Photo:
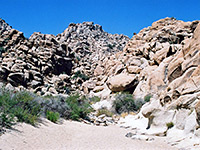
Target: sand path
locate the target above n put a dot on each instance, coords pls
(74, 136)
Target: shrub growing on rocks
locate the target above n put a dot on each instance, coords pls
(147, 98)
(94, 99)
(169, 125)
(105, 112)
(2, 50)
(124, 102)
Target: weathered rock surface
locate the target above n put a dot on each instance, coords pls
(122, 82)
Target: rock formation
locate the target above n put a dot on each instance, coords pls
(48, 64)
(163, 60)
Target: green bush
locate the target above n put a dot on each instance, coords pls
(139, 102)
(80, 75)
(147, 98)
(52, 116)
(55, 104)
(79, 106)
(124, 102)
(26, 107)
(19, 105)
(94, 99)
(104, 111)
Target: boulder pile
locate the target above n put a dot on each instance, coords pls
(48, 64)
(162, 60)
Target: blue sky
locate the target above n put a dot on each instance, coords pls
(116, 16)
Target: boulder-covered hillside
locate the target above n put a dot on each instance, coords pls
(163, 61)
(48, 64)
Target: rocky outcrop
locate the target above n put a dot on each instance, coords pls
(164, 61)
(48, 64)
(89, 44)
(33, 63)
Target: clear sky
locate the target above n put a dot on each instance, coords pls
(116, 16)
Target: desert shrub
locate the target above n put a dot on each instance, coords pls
(104, 111)
(6, 120)
(78, 58)
(139, 103)
(94, 99)
(79, 106)
(80, 75)
(19, 105)
(124, 102)
(55, 104)
(169, 125)
(147, 98)
(52, 116)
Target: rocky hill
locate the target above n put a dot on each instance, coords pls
(162, 60)
(48, 64)
(149, 62)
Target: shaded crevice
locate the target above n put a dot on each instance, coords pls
(176, 73)
(175, 95)
(170, 52)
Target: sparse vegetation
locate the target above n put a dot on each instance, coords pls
(79, 106)
(17, 106)
(19, 58)
(78, 58)
(124, 102)
(2, 50)
(139, 102)
(170, 125)
(104, 111)
(94, 99)
(80, 75)
(147, 98)
(52, 116)
(173, 18)
(26, 107)
(111, 46)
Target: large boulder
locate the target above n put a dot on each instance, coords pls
(122, 82)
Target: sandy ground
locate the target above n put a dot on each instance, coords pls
(74, 136)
